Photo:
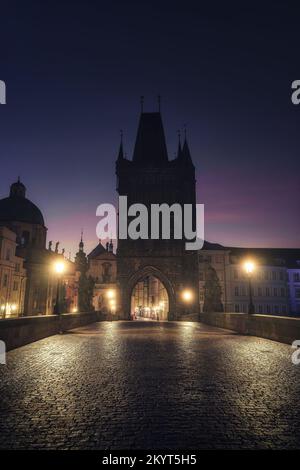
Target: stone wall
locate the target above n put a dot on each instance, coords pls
(282, 329)
(16, 332)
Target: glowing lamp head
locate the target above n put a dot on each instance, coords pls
(59, 267)
(187, 295)
(110, 294)
(13, 307)
(249, 267)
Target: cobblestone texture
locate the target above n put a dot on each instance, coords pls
(150, 385)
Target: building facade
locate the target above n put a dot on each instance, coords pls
(274, 286)
(12, 276)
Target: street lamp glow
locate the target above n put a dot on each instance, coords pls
(59, 267)
(110, 294)
(187, 295)
(249, 267)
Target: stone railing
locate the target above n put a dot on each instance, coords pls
(16, 332)
(283, 329)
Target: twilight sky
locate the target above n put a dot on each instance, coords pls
(75, 70)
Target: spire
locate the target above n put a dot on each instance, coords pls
(179, 151)
(121, 152)
(81, 244)
(186, 155)
(150, 145)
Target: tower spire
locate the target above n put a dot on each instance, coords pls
(81, 244)
(179, 151)
(142, 104)
(121, 152)
(186, 155)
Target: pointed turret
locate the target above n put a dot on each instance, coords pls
(179, 150)
(186, 155)
(121, 151)
(81, 262)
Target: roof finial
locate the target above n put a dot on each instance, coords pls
(121, 135)
(159, 102)
(81, 235)
(18, 179)
(142, 104)
(184, 127)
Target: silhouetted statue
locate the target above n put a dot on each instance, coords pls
(50, 246)
(56, 247)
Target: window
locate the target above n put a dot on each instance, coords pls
(259, 291)
(5, 280)
(201, 276)
(7, 256)
(219, 258)
(275, 292)
(276, 309)
(236, 308)
(16, 285)
(268, 308)
(281, 275)
(235, 274)
(268, 291)
(266, 276)
(282, 292)
(274, 275)
(283, 309)
(297, 293)
(236, 291)
(17, 267)
(296, 277)
(260, 309)
(243, 290)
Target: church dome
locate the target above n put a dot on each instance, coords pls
(17, 208)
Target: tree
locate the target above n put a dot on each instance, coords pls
(212, 291)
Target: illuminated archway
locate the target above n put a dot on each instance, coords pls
(164, 286)
(149, 299)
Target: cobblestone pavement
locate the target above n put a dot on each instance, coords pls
(150, 385)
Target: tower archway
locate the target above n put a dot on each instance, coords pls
(150, 295)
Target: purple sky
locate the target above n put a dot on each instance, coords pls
(74, 73)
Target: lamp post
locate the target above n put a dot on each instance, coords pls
(59, 268)
(249, 268)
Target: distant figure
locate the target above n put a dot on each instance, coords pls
(56, 247)
(50, 246)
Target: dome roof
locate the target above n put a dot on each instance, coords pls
(17, 208)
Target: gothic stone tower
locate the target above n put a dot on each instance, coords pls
(151, 178)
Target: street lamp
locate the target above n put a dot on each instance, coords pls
(187, 295)
(59, 267)
(249, 267)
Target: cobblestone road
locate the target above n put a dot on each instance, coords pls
(150, 385)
